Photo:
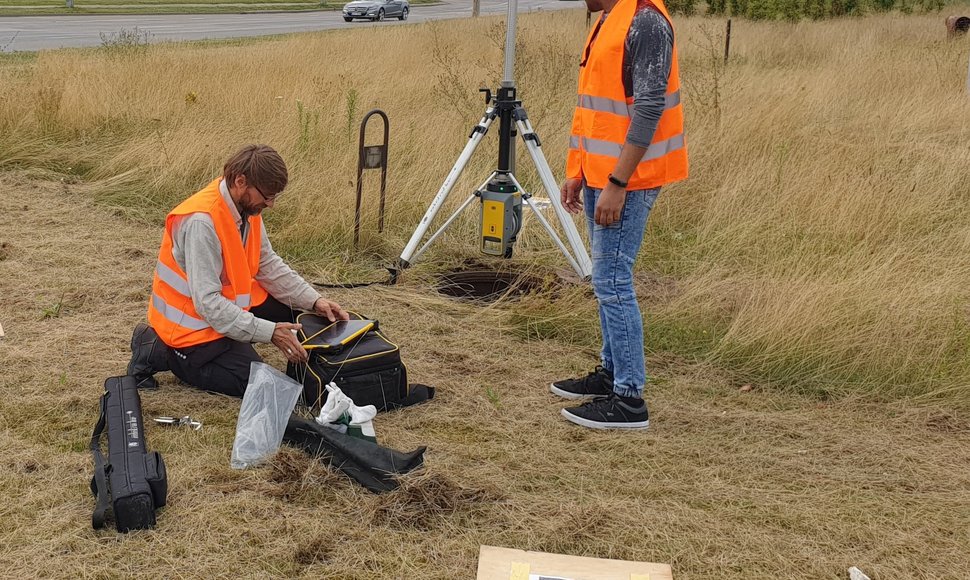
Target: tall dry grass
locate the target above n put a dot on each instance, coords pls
(819, 243)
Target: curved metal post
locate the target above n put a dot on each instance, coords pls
(371, 157)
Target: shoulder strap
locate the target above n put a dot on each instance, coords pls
(99, 483)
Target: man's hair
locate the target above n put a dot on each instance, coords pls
(262, 166)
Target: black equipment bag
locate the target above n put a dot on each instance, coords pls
(133, 481)
(372, 466)
(368, 370)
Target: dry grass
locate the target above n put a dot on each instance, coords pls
(727, 484)
(819, 244)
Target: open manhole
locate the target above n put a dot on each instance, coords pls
(487, 285)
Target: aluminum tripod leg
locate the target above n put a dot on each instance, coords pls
(583, 266)
(447, 223)
(552, 233)
(476, 137)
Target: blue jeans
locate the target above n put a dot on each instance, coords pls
(615, 249)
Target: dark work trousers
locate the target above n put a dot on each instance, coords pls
(222, 366)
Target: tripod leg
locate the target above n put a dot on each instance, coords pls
(422, 228)
(552, 233)
(583, 265)
(447, 223)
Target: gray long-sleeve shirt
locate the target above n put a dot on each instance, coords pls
(647, 56)
(197, 250)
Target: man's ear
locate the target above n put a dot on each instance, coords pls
(240, 182)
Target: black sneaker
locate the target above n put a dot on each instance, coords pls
(609, 413)
(598, 383)
(149, 355)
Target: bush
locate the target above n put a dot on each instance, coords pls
(815, 9)
(685, 7)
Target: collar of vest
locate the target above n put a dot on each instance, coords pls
(227, 197)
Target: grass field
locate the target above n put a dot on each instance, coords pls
(816, 253)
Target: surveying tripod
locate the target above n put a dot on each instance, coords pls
(501, 193)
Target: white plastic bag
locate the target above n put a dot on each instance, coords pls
(266, 407)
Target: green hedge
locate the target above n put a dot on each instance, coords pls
(814, 9)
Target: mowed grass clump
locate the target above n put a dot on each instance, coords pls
(820, 242)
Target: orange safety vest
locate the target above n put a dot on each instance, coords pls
(603, 111)
(170, 310)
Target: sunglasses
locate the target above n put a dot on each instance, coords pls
(264, 196)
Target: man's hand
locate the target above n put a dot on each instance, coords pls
(609, 207)
(569, 194)
(331, 310)
(285, 339)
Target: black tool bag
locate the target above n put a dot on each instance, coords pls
(372, 466)
(368, 370)
(133, 481)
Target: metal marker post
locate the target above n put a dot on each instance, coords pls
(371, 157)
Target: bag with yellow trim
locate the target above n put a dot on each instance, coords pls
(368, 369)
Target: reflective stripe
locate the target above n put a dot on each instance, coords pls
(661, 148)
(654, 151)
(605, 105)
(173, 279)
(621, 108)
(573, 142)
(671, 100)
(177, 316)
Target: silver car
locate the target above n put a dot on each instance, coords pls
(376, 9)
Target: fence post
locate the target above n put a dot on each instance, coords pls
(727, 42)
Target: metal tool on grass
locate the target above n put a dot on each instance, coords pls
(180, 421)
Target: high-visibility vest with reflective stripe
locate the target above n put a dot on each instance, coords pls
(603, 111)
(170, 310)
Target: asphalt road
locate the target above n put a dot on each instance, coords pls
(30, 33)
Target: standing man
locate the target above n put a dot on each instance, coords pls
(627, 141)
(219, 286)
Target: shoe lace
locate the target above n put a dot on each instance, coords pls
(601, 403)
(593, 375)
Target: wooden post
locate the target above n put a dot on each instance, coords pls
(476, 8)
(727, 42)
(589, 17)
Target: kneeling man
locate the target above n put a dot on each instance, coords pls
(219, 286)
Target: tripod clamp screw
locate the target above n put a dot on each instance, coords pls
(488, 94)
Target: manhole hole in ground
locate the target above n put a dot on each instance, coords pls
(487, 285)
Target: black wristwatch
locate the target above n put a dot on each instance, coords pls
(617, 182)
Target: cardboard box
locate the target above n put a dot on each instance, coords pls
(507, 564)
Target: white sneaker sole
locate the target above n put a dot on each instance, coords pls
(567, 395)
(637, 426)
